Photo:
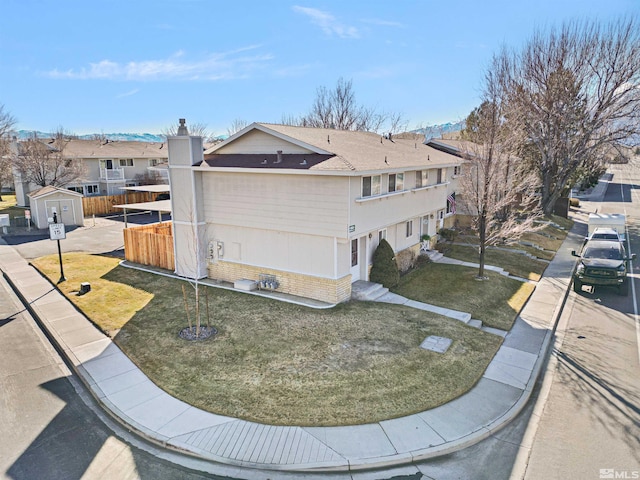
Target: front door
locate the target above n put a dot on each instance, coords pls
(355, 260)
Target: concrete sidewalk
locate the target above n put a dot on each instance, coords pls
(124, 391)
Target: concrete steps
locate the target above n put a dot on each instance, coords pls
(367, 291)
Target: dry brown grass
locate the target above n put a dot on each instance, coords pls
(284, 364)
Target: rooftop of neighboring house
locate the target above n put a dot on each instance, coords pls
(332, 150)
(76, 148)
(48, 190)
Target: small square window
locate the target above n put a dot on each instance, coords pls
(126, 162)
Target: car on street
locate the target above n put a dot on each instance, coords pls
(603, 263)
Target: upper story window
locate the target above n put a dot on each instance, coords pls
(396, 182)
(422, 176)
(106, 163)
(441, 175)
(153, 162)
(371, 186)
(126, 162)
(456, 170)
(409, 227)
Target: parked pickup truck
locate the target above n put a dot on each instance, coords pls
(603, 263)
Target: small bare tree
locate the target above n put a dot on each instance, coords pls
(43, 162)
(237, 125)
(497, 189)
(7, 122)
(337, 108)
(198, 129)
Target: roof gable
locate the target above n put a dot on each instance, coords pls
(50, 190)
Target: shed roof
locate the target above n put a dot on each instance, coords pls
(49, 190)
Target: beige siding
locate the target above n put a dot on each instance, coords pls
(306, 204)
(280, 250)
(259, 142)
(389, 210)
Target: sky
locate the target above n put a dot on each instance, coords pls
(136, 66)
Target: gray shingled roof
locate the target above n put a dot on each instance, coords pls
(351, 150)
(114, 149)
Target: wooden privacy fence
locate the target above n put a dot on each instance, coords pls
(150, 245)
(103, 204)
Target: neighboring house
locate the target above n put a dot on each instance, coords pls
(305, 205)
(109, 165)
(65, 204)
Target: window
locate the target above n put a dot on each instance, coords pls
(354, 252)
(382, 235)
(409, 228)
(108, 164)
(126, 162)
(76, 189)
(153, 162)
(396, 182)
(371, 186)
(441, 176)
(421, 178)
(92, 189)
(456, 170)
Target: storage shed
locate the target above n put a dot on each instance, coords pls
(46, 201)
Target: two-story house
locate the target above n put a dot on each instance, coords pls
(307, 206)
(109, 165)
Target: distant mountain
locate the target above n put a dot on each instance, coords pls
(431, 131)
(122, 137)
(436, 131)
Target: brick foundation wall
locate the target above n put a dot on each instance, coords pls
(323, 289)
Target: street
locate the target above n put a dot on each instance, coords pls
(590, 424)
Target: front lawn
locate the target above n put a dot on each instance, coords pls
(496, 301)
(515, 263)
(279, 363)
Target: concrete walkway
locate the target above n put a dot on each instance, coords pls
(124, 391)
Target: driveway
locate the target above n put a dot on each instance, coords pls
(99, 235)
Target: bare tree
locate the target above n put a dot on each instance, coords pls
(7, 122)
(237, 125)
(337, 108)
(198, 129)
(572, 94)
(497, 189)
(44, 163)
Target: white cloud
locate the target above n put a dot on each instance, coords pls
(383, 23)
(129, 93)
(225, 65)
(328, 22)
